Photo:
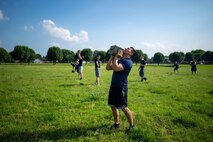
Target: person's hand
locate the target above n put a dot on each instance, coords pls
(119, 54)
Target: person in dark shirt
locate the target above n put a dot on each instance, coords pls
(118, 91)
(141, 68)
(193, 66)
(97, 69)
(176, 67)
(80, 66)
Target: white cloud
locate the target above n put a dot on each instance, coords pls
(156, 45)
(29, 28)
(64, 34)
(152, 47)
(2, 16)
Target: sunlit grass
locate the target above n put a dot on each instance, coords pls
(48, 102)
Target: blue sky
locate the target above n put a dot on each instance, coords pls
(150, 25)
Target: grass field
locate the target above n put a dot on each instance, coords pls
(46, 102)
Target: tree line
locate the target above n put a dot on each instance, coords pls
(25, 54)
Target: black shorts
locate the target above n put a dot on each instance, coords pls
(118, 97)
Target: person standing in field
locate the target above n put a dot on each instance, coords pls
(141, 68)
(176, 67)
(97, 69)
(80, 66)
(193, 66)
(118, 91)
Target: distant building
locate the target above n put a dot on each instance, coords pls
(37, 61)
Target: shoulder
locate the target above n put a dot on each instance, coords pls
(127, 63)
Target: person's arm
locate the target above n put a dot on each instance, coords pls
(79, 56)
(115, 66)
(109, 63)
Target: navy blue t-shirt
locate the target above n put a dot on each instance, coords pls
(119, 79)
(80, 62)
(142, 62)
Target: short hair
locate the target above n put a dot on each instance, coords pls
(133, 50)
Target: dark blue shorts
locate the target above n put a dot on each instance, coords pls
(141, 72)
(118, 97)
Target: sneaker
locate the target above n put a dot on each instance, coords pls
(130, 129)
(115, 126)
(141, 79)
(145, 78)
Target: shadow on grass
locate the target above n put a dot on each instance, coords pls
(73, 133)
(53, 135)
(71, 85)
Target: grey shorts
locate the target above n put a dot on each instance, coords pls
(97, 72)
(80, 69)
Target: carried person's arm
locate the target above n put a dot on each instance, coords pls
(109, 63)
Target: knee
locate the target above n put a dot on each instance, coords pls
(125, 110)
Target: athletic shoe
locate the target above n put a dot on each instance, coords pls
(115, 126)
(130, 129)
(145, 78)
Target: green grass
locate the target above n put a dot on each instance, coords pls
(46, 102)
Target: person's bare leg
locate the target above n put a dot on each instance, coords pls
(97, 80)
(115, 113)
(129, 115)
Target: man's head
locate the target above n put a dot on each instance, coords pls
(129, 51)
(98, 57)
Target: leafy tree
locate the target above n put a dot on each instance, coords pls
(136, 57)
(11, 57)
(54, 54)
(211, 56)
(68, 55)
(198, 51)
(23, 53)
(102, 55)
(95, 53)
(198, 57)
(27, 53)
(31, 56)
(19, 53)
(176, 56)
(87, 53)
(158, 57)
(198, 54)
(145, 56)
(189, 57)
(107, 55)
(208, 56)
(4, 55)
(38, 56)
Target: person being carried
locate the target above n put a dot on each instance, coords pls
(118, 91)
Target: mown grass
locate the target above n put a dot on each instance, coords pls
(46, 102)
